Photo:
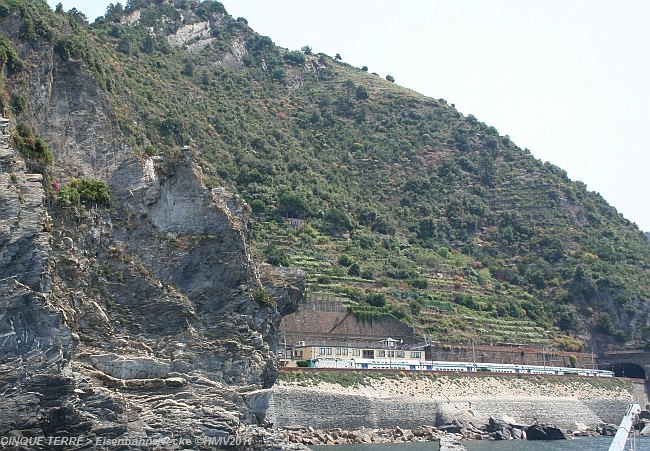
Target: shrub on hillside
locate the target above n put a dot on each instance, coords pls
(31, 146)
(84, 192)
(295, 58)
(376, 299)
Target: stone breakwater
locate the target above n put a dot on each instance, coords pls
(410, 401)
(310, 436)
(448, 436)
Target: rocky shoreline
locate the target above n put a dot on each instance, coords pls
(451, 434)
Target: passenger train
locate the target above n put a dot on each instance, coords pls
(391, 358)
(458, 367)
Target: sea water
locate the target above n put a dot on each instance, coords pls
(577, 444)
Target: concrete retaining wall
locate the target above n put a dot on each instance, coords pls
(306, 407)
(408, 404)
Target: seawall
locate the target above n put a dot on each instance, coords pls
(371, 400)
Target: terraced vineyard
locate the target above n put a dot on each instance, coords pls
(442, 296)
(487, 330)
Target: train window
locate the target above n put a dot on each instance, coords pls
(356, 352)
(339, 351)
(399, 353)
(345, 351)
(416, 354)
(368, 353)
(382, 353)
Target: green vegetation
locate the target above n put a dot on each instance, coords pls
(88, 192)
(32, 147)
(9, 58)
(358, 378)
(262, 297)
(573, 361)
(347, 378)
(394, 204)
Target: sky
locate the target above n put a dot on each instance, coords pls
(569, 80)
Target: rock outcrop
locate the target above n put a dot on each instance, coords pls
(544, 432)
(140, 321)
(149, 319)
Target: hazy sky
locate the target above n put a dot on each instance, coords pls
(569, 80)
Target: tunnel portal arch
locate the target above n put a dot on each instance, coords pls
(629, 369)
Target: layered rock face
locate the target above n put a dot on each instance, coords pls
(151, 318)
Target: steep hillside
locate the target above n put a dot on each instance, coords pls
(131, 305)
(399, 204)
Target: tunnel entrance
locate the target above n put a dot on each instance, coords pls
(628, 370)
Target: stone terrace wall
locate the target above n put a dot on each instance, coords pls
(310, 323)
(504, 354)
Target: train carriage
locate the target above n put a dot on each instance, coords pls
(412, 360)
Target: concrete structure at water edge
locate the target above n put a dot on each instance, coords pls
(571, 403)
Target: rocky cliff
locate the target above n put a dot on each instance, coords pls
(150, 317)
